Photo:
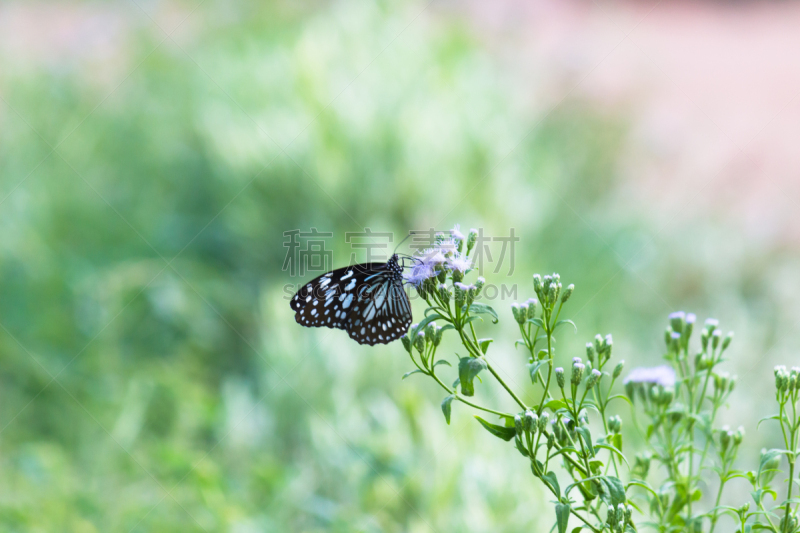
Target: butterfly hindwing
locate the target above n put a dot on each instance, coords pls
(382, 316)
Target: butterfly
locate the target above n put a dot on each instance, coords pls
(366, 300)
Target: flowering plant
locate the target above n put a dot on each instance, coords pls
(572, 436)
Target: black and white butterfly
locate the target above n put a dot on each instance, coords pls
(367, 300)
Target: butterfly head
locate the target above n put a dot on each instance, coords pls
(394, 265)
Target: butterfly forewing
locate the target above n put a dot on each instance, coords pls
(367, 300)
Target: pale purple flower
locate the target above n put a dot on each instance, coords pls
(659, 375)
(447, 247)
(419, 273)
(433, 256)
(463, 286)
(459, 262)
(456, 233)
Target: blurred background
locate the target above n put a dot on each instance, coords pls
(153, 153)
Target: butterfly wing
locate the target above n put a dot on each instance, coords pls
(382, 313)
(328, 300)
(367, 300)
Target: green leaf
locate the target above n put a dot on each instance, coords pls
(442, 362)
(555, 405)
(536, 322)
(562, 516)
(614, 489)
(560, 322)
(584, 432)
(484, 344)
(616, 440)
(468, 368)
(446, 407)
(500, 432)
(773, 417)
(551, 478)
(611, 448)
(520, 446)
(533, 368)
(483, 309)
(417, 371)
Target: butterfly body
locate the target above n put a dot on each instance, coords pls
(366, 300)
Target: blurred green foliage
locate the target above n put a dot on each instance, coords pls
(152, 376)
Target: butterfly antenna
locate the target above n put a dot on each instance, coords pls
(410, 233)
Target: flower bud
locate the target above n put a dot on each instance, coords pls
(598, 343)
(460, 292)
(611, 517)
(667, 396)
(406, 343)
(630, 391)
(438, 338)
(567, 292)
(430, 331)
(593, 379)
(532, 304)
(560, 377)
(546, 281)
(628, 513)
(727, 341)
(688, 326)
(472, 237)
(620, 512)
(538, 284)
(518, 424)
(457, 275)
(618, 369)
(577, 373)
(780, 371)
(614, 424)
(552, 292)
(715, 338)
(442, 275)
(725, 440)
(704, 339)
(520, 315)
(721, 382)
(738, 437)
(590, 352)
(523, 311)
(419, 342)
(551, 441)
(744, 508)
(608, 344)
(677, 320)
(675, 342)
(479, 283)
(472, 291)
(543, 420)
(531, 422)
(668, 336)
(444, 293)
